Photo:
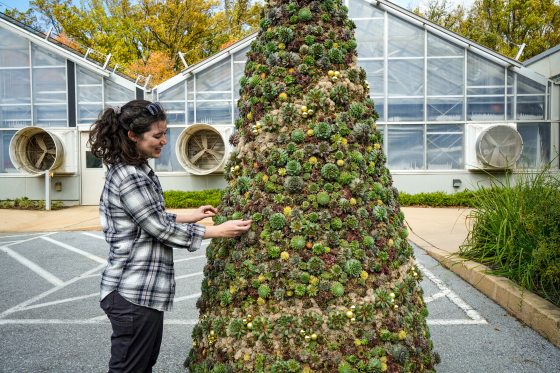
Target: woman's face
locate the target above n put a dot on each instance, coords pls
(150, 143)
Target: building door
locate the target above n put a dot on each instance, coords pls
(93, 173)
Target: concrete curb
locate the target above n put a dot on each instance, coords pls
(534, 311)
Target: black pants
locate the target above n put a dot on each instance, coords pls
(136, 337)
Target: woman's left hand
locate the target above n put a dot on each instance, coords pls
(200, 213)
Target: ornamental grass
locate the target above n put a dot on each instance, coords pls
(516, 231)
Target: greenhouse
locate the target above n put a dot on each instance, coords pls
(450, 111)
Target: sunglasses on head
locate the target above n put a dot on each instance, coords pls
(154, 108)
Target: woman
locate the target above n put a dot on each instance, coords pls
(138, 283)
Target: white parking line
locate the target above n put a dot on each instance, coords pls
(49, 292)
(98, 236)
(46, 304)
(474, 316)
(190, 258)
(32, 266)
(189, 275)
(186, 297)
(76, 250)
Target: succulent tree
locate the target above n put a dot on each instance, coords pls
(325, 281)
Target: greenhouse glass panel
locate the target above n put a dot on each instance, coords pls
(216, 78)
(190, 112)
(49, 85)
(405, 109)
(14, 50)
(190, 88)
(241, 55)
(406, 77)
(529, 86)
(510, 105)
(510, 82)
(225, 95)
(175, 93)
(44, 58)
(214, 112)
(175, 112)
(536, 144)
(445, 76)
(445, 109)
(238, 70)
(482, 73)
(379, 105)
(15, 86)
(50, 115)
(117, 95)
(88, 113)
(405, 147)
(445, 146)
(486, 108)
(375, 73)
(90, 94)
(369, 34)
(15, 116)
(6, 165)
(438, 47)
(530, 107)
(167, 162)
(405, 40)
(86, 77)
(362, 9)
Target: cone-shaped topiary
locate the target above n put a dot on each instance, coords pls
(325, 281)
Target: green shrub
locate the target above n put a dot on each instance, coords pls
(182, 199)
(466, 198)
(25, 203)
(516, 232)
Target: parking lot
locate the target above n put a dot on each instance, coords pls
(50, 318)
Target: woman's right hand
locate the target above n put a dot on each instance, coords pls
(231, 228)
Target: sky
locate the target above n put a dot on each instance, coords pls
(18, 4)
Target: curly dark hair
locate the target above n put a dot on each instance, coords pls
(109, 139)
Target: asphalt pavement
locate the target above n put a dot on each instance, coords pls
(50, 320)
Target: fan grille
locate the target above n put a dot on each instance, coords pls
(41, 151)
(500, 146)
(205, 149)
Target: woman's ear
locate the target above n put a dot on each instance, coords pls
(132, 136)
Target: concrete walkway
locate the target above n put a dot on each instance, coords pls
(439, 231)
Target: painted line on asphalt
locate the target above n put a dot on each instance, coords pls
(189, 275)
(98, 236)
(50, 291)
(32, 266)
(20, 235)
(60, 301)
(75, 250)
(190, 258)
(456, 322)
(468, 310)
(186, 297)
(441, 294)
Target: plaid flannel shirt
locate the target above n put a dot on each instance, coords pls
(141, 234)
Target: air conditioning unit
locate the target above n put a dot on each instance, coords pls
(492, 146)
(203, 149)
(35, 150)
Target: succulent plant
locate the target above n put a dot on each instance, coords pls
(325, 280)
